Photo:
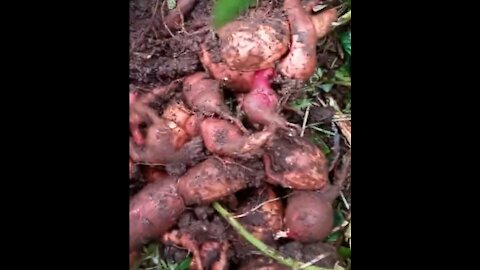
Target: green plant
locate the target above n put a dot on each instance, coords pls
(225, 11)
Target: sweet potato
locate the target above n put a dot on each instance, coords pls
(236, 81)
(214, 255)
(225, 139)
(152, 174)
(294, 162)
(308, 216)
(192, 126)
(263, 222)
(165, 143)
(204, 95)
(153, 211)
(301, 61)
(185, 240)
(211, 180)
(323, 20)
(174, 17)
(178, 113)
(209, 255)
(254, 42)
(267, 219)
(261, 103)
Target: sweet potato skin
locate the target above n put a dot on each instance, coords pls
(209, 181)
(236, 81)
(163, 144)
(173, 18)
(220, 137)
(260, 103)
(192, 126)
(178, 113)
(295, 163)
(262, 222)
(253, 43)
(225, 139)
(153, 211)
(301, 61)
(205, 96)
(152, 174)
(308, 216)
(323, 21)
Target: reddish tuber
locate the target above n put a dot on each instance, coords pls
(254, 42)
(165, 144)
(237, 81)
(205, 96)
(153, 211)
(301, 61)
(211, 180)
(225, 139)
(309, 214)
(294, 162)
(261, 103)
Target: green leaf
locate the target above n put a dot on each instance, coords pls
(301, 103)
(326, 87)
(185, 264)
(346, 40)
(224, 11)
(316, 76)
(342, 74)
(345, 252)
(171, 4)
(338, 220)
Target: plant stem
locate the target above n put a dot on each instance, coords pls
(344, 19)
(268, 251)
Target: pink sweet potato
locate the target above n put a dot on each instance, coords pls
(236, 81)
(254, 41)
(323, 20)
(308, 216)
(301, 61)
(177, 112)
(192, 126)
(225, 139)
(205, 96)
(294, 162)
(164, 142)
(152, 174)
(261, 103)
(153, 211)
(211, 180)
(263, 222)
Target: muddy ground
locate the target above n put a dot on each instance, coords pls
(159, 55)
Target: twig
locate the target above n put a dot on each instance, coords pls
(345, 126)
(182, 21)
(336, 147)
(314, 260)
(266, 250)
(344, 19)
(163, 19)
(260, 205)
(305, 119)
(328, 132)
(344, 201)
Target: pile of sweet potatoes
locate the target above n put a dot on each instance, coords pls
(188, 148)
